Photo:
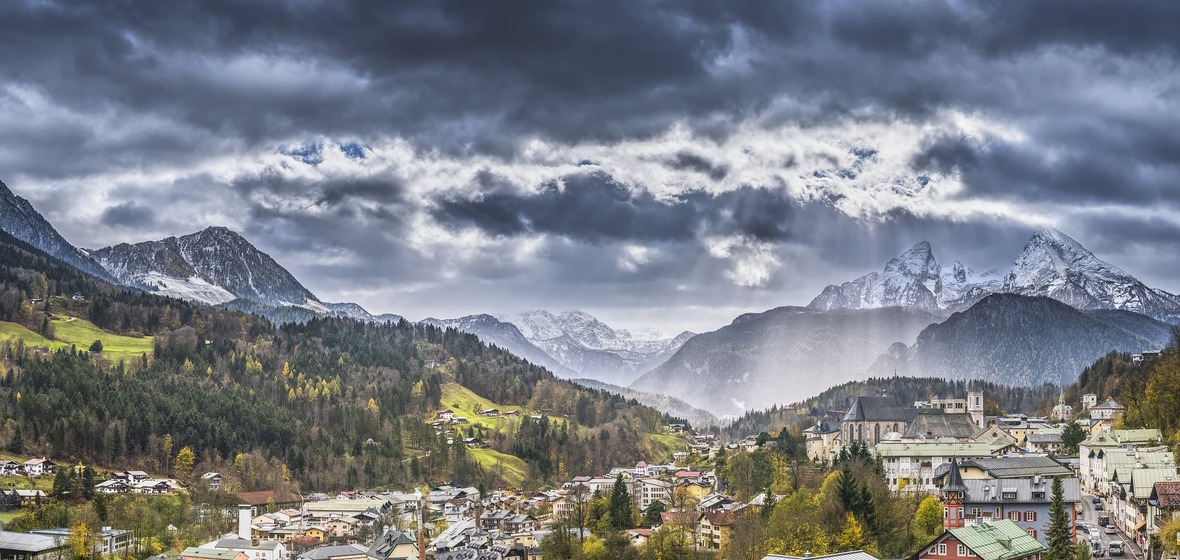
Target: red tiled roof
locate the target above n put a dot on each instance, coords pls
(1168, 494)
(265, 497)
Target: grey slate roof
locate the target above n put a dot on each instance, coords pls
(990, 491)
(879, 409)
(1044, 438)
(1019, 467)
(331, 551)
(958, 425)
(25, 542)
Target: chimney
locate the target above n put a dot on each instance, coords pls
(244, 521)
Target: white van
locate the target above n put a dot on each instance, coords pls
(1115, 548)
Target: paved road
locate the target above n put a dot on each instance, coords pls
(1090, 517)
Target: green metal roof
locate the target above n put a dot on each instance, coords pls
(1114, 438)
(934, 449)
(998, 540)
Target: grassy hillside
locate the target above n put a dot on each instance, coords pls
(464, 402)
(80, 333)
(510, 468)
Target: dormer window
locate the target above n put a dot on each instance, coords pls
(1038, 495)
(1008, 494)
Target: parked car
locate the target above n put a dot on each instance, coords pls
(1096, 500)
(1103, 520)
(1099, 507)
(1115, 548)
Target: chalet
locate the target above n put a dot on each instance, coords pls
(1108, 410)
(489, 412)
(9, 467)
(113, 486)
(445, 415)
(154, 486)
(512, 413)
(999, 540)
(130, 477)
(212, 480)
(38, 467)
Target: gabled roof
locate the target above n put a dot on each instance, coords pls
(933, 449)
(958, 425)
(1166, 494)
(999, 540)
(1143, 480)
(879, 409)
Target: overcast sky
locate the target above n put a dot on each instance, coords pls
(667, 164)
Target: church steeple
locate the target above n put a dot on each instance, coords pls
(953, 493)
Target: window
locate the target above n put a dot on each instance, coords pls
(961, 550)
(946, 512)
(975, 512)
(1014, 515)
(1038, 495)
(942, 549)
(1030, 516)
(1032, 532)
(998, 510)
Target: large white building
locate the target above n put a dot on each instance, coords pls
(910, 466)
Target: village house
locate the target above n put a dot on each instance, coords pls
(107, 541)
(1093, 451)
(1024, 501)
(998, 540)
(714, 528)
(647, 491)
(1163, 504)
(212, 480)
(394, 545)
(822, 439)
(850, 555)
(38, 467)
(1104, 415)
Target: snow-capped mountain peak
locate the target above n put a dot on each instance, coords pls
(912, 279)
(1052, 264)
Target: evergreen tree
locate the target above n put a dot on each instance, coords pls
(17, 445)
(1060, 532)
(1071, 436)
(620, 506)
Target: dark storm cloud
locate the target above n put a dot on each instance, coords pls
(593, 207)
(691, 161)
(1093, 159)
(167, 87)
(568, 70)
(128, 215)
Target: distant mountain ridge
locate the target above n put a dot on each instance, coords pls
(780, 356)
(19, 219)
(582, 343)
(1052, 264)
(1021, 341)
(495, 332)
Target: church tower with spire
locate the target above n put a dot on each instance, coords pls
(953, 493)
